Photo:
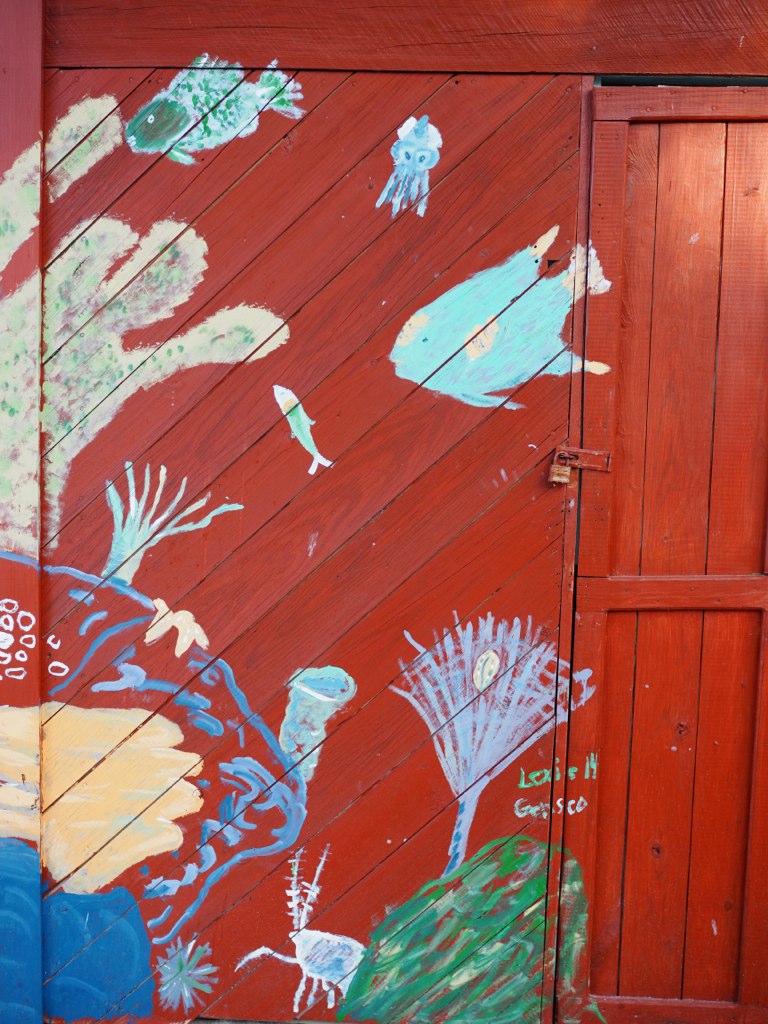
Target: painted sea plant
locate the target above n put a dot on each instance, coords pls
(105, 281)
(487, 692)
(474, 946)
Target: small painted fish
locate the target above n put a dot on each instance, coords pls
(300, 425)
(207, 105)
(497, 329)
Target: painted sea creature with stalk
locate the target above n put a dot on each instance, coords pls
(487, 692)
(326, 960)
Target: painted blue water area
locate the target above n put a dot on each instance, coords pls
(493, 331)
(97, 957)
(20, 939)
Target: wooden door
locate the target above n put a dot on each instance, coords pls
(672, 593)
(301, 677)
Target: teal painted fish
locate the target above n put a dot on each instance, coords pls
(208, 104)
(487, 335)
(300, 424)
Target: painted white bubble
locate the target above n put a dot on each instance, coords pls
(53, 641)
(29, 640)
(6, 623)
(58, 668)
(4, 657)
(26, 620)
(16, 672)
(9, 605)
(6, 641)
(21, 654)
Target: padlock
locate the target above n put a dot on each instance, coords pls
(559, 472)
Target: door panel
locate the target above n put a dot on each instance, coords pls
(282, 757)
(671, 590)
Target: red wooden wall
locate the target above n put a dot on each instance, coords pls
(300, 727)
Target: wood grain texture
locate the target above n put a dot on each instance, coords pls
(678, 899)
(683, 344)
(724, 766)
(661, 1011)
(623, 36)
(645, 592)
(660, 802)
(739, 489)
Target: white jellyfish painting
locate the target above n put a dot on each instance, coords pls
(415, 153)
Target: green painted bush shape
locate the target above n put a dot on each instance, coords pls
(471, 947)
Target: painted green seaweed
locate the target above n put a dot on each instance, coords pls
(473, 947)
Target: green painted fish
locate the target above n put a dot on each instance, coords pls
(208, 104)
(300, 425)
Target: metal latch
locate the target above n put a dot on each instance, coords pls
(566, 459)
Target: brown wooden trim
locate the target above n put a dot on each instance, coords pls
(619, 1010)
(662, 593)
(726, 37)
(555, 895)
(680, 103)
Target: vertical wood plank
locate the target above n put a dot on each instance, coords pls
(610, 815)
(553, 984)
(631, 369)
(607, 223)
(20, 318)
(683, 344)
(660, 799)
(739, 493)
(724, 746)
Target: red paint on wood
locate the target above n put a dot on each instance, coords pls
(651, 37)
(680, 821)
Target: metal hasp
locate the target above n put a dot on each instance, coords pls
(565, 459)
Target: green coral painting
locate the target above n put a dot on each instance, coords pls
(472, 947)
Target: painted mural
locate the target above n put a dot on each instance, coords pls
(327, 961)
(301, 426)
(169, 779)
(501, 327)
(487, 692)
(207, 105)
